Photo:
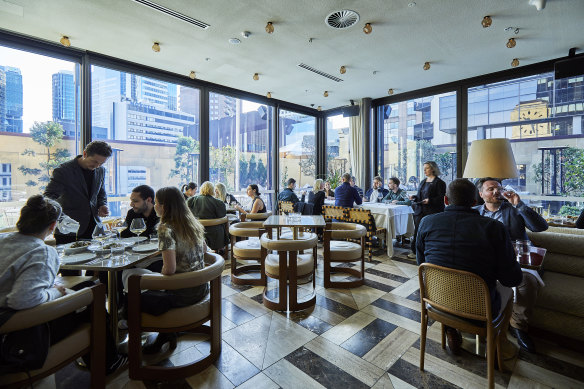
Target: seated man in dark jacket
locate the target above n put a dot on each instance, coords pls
(460, 238)
(142, 203)
(373, 194)
(205, 206)
(345, 194)
(288, 193)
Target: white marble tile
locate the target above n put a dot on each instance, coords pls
(227, 291)
(410, 270)
(326, 315)
(259, 381)
(365, 295)
(544, 376)
(345, 360)
(391, 348)
(348, 327)
(393, 318)
(394, 298)
(210, 378)
(250, 339)
(390, 267)
(226, 324)
(383, 383)
(185, 356)
(249, 305)
(382, 280)
(340, 296)
(519, 382)
(289, 376)
(407, 287)
(284, 337)
(399, 384)
(253, 291)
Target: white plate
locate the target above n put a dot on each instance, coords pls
(342, 244)
(77, 258)
(73, 250)
(134, 239)
(142, 248)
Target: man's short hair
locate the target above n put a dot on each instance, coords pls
(98, 147)
(290, 181)
(395, 180)
(144, 191)
(346, 177)
(461, 192)
(377, 178)
(485, 179)
(354, 180)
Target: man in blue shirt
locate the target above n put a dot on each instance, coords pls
(354, 185)
(373, 193)
(345, 194)
(288, 193)
(460, 238)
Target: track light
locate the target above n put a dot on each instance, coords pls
(319, 108)
(269, 95)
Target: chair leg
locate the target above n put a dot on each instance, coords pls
(443, 329)
(424, 328)
(490, 358)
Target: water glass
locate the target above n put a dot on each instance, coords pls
(118, 253)
(154, 237)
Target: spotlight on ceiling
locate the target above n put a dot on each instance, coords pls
(515, 62)
(487, 21)
(192, 74)
(270, 28)
(325, 94)
(256, 76)
(269, 95)
(367, 29)
(156, 47)
(426, 66)
(65, 41)
(390, 91)
(343, 70)
(539, 4)
(511, 43)
(319, 108)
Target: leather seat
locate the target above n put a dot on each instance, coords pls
(246, 250)
(344, 251)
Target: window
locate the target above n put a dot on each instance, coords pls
(39, 124)
(239, 139)
(423, 130)
(337, 148)
(297, 148)
(543, 118)
(153, 128)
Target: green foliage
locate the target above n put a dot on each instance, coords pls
(335, 178)
(308, 164)
(184, 164)
(221, 163)
(48, 135)
(572, 168)
(243, 172)
(262, 173)
(253, 170)
(284, 177)
(568, 210)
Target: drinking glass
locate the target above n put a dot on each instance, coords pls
(379, 197)
(100, 233)
(119, 225)
(118, 253)
(138, 226)
(154, 237)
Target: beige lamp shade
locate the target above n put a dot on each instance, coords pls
(490, 158)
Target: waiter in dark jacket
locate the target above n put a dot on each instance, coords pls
(142, 203)
(205, 206)
(79, 186)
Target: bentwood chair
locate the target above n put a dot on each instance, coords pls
(365, 218)
(247, 250)
(255, 216)
(222, 221)
(336, 250)
(87, 338)
(461, 300)
(191, 318)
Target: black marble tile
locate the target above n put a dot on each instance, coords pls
(226, 280)
(378, 285)
(387, 275)
(322, 371)
(334, 306)
(72, 377)
(399, 309)
(234, 366)
(157, 384)
(404, 259)
(258, 298)
(415, 296)
(470, 362)
(306, 320)
(420, 379)
(234, 313)
(368, 337)
(552, 364)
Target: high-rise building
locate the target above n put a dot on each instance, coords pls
(10, 99)
(64, 101)
(189, 102)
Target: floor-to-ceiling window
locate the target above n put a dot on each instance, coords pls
(416, 131)
(297, 149)
(153, 128)
(39, 124)
(240, 132)
(338, 153)
(543, 118)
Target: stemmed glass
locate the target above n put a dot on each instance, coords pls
(100, 233)
(138, 226)
(119, 225)
(379, 197)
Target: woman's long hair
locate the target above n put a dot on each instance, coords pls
(221, 191)
(179, 217)
(316, 187)
(38, 214)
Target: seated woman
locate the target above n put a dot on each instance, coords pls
(28, 268)
(316, 197)
(189, 190)
(221, 194)
(328, 191)
(257, 204)
(181, 239)
(205, 206)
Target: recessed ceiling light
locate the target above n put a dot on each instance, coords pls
(269, 95)
(245, 34)
(234, 41)
(343, 70)
(390, 91)
(319, 108)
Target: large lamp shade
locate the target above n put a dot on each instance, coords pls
(490, 158)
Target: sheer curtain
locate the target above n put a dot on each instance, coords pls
(356, 150)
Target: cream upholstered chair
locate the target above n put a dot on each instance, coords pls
(190, 318)
(255, 216)
(287, 266)
(87, 338)
(246, 249)
(442, 300)
(217, 222)
(344, 251)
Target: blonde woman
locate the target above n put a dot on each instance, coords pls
(316, 197)
(221, 194)
(205, 206)
(181, 239)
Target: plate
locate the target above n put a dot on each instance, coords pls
(77, 258)
(134, 239)
(74, 250)
(342, 244)
(145, 247)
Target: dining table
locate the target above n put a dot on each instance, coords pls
(396, 219)
(106, 262)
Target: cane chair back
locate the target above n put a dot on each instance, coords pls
(365, 218)
(330, 212)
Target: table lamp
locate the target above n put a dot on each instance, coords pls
(490, 158)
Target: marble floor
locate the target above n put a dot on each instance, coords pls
(358, 338)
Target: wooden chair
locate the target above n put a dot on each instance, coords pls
(330, 212)
(344, 251)
(190, 318)
(255, 216)
(243, 250)
(87, 338)
(288, 266)
(285, 207)
(365, 218)
(461, 300)
(217, 222)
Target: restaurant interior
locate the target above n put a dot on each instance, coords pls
(260, 92)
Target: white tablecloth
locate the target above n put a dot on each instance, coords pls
(397, 220)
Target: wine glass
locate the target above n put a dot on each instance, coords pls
(379, 197)
(119, 225)
(138, 226)
(100, 233)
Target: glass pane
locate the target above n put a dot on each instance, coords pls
(153, 128)
(543, 118)
(337, 149)
(423, 129)
(297, 149)
(240, 133)
(39, 124)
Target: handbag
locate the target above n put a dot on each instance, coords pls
(23, 350)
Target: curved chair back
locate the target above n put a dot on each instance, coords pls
(287, 244)
(214, 222)
(246, 229)
(258, 216)
(347, 231)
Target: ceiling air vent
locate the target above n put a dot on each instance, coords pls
(174, 14)
(319, 72)
(342, 19)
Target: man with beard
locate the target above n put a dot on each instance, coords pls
(142, 203)
(507, 207)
